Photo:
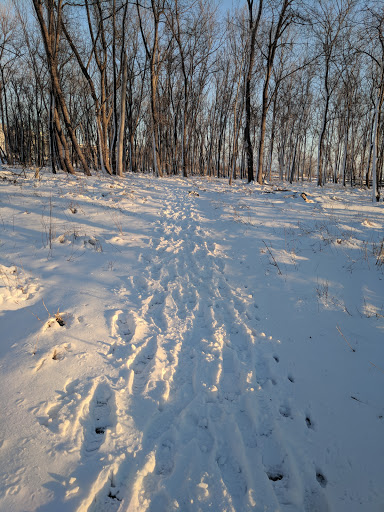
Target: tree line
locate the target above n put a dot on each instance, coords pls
(287, 89)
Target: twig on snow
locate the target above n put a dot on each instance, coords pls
(345, 339)
(378, 367)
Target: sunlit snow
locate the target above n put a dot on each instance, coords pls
(183, 345)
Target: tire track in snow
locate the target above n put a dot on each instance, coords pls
(195, 388)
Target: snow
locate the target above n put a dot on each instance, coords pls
(183, 345)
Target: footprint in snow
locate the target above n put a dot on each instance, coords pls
(285, 411)
(309, 422)
(126, 330)
(156, 300)
(203, 436)
(57, 413)
(143, 258)
(275, 457)
(321, 479)
(234, 479)
(164, 457)
(247, 429)
(98, 418)
(122, 329)
(139, 283)
(141, 365)
(123, 325)
(315, 501)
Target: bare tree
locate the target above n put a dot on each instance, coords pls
(51, 30)
(374, 50)
(277, 27)
(328, 21)
(156, 11)
(253, 25)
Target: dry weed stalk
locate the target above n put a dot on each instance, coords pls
(378, 367)
(345, 339)
(58, 318)
(273, 258)
(49, 227)
(380, 255)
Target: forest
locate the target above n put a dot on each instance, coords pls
(191, 255)
(284, 89)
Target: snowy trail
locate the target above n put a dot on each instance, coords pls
(193, 388)
(201, 360)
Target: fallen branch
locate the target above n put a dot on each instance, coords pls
(305, 197)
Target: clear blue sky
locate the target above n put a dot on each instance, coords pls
(228, 4)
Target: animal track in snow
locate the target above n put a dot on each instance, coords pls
(309, 422)
(285, 411)
(321, 479)
(275, 476)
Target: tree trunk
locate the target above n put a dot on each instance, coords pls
(375, 185)
(253, 27)
(51, 41)
(120, 146)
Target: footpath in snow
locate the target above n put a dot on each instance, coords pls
(182, 345)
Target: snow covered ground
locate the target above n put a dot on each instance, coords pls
(180, 345)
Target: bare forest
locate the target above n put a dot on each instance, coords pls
(191, 255)
(271, 89)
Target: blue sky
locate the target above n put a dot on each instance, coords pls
(228, 4)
